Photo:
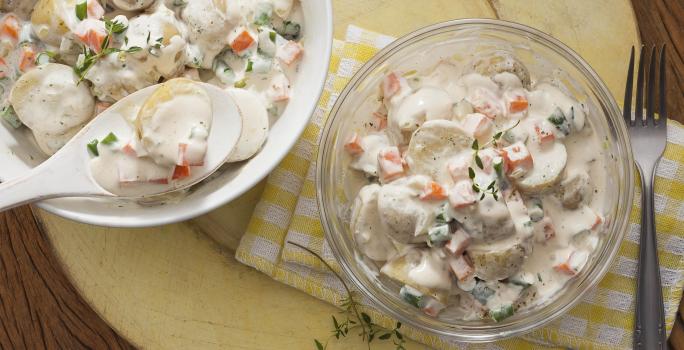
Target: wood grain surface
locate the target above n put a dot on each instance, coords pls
(39, 308)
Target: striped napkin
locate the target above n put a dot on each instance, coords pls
(288, 211)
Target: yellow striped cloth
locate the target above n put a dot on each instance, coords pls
(288, 211)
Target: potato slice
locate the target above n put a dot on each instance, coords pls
(402, 213)
(433, 144)
(549, 163)
(255, 124)
(500, 61)
(366, 227)
(499, 260)
(51, 19)
(162, 122)
(400, 269)
(132, 5)
(50, 143)
(427, 103)
(49, 100)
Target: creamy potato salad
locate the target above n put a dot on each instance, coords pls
(484, 191)
(64, 61)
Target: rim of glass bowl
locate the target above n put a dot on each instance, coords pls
(344, 253)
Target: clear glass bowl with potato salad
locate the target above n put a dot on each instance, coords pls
(470, 185)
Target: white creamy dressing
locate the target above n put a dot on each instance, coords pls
(167, 134)
(542, 176)
(158, 40)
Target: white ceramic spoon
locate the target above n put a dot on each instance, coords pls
(67, 173)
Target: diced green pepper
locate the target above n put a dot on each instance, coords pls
(411, 296)
(10, 117)
(92, 147)
(81, 10)
(263, 11)
(240, 84)
(481, 292)
(249, 66)
(438, 234)
(289, 30)
(109, 139)
(500, 313)
(559, 120)
(442, 215)
(535, 209)
(272, 36)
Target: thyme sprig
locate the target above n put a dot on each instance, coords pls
(354, 319)
(491, 188)
(91, 57)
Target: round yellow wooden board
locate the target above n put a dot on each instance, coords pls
(179, 287)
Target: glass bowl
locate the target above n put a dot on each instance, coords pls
(546, 59)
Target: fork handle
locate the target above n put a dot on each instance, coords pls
(649, 332)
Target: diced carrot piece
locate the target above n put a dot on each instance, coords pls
(477, 124)
(519, 104)
(565, 268)
(462, 194)
(129, 150)
(433, 191)
(548, 228)
(597, 222)
(380, 121)
(458, 243)
(391, 163)
(280, 88)
(180, 172)
(4, 69)
(101, 106)
(92, 33)
(353, 146)
(390, 85)
(517, 158)
(95, 10)
(160, 181)
(543, 135)
(458, 168)
(242, 42)
(290, 52)
(182, 161)
(461, 267)
(28, 58)
(10, 27)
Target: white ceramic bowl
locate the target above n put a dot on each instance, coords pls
(18, 152)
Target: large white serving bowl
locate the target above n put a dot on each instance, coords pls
(18, 152)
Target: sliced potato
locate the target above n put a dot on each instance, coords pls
(50, 144)
(366, 227)
(549, 163)
(132, 5)
(400, 269)
(51, 19)
(208, 27)
(255, 122)
(162, 122)
(427, 103)
(499, 260)
(402, 213)
(498, 61)
(49, 99)
(433, 144)
(573, 188)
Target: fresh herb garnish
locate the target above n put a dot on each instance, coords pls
(89, 57)
(354, 319)
(82, 10)
(492, 187)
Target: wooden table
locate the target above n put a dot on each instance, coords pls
(179, 286)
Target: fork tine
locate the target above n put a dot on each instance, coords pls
(650, 92)
(627, 109)
(639, 109)
(662, 109)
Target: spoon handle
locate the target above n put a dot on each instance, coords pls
(63, 175)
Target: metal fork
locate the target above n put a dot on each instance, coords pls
(648, 137)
